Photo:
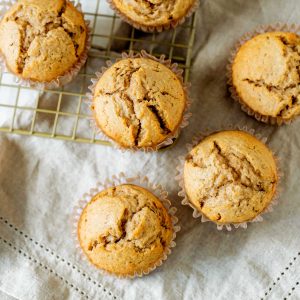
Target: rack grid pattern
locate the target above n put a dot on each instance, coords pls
(63, 113)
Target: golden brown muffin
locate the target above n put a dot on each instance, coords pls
(125, 230)
(153, 14)
(139, 102)
(42, 39)
(265, 75)
(230, 177)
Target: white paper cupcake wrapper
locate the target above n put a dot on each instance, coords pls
(116, 180)
(246, 37)
(196, 212)
(159, 28)
(60, 80)
(186, 114)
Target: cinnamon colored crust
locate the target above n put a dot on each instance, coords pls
(139, 102)
(125, 230)
(230, 177)
(265, 75)
(42, 39)
(153, 13)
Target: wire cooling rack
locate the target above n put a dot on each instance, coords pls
(62, 113)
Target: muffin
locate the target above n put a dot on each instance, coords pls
(139, 103)
(42, 40)
(125, 230)
(266, 78)
(230, 177)
(154, 14)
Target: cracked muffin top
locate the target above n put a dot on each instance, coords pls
(42, 39)
(266, 75)
(125, 230)
(153, 13)
(139, 102)
(230, 177)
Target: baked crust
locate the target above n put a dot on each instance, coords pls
(139, 102)
(154, 13)
(230, 177)
(266, 77)
(42, 40)
(125, 230)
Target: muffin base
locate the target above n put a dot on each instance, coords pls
(185, 117)
(119, 179)
(60, 80)
(160, 28)
(246, 37)
(196, 213)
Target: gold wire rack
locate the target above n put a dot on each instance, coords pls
(62, 113)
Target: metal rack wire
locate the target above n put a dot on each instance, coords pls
(62, 113)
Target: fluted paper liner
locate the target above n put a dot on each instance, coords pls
(60, 80)
(246, 37)
(196, 213)
(158, 28)
(186, 114)
(116, 180)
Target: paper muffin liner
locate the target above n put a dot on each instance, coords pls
(186, 114)
(60, 80)
(196, 213)
(116, 180)
(159, 28)
(294, 28)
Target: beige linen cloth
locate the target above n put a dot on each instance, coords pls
(42, 180)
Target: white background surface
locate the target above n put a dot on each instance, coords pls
(41, 181)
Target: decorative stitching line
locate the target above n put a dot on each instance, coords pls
(292, 290)
(287, 268)
(45, 267)
(57, 257)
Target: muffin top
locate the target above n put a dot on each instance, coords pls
(139, 102)
(154, 13)
(266, 76)
(230, 177)
(42, 39)
(125, 230)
